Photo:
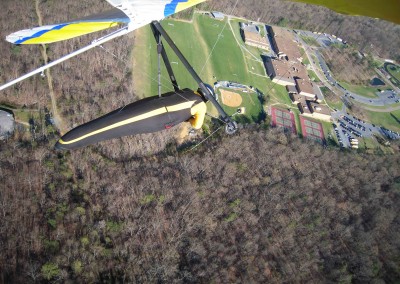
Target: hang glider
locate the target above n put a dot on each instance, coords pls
(133, 13)
(153, 113)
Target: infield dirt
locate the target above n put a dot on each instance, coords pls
(231, 99)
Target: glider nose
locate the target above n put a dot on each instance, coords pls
(59, 146)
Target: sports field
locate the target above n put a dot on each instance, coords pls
(215, 51)
(312, 129)
(283, 118)
(231, 100)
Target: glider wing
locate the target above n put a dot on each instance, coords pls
(134, 13)
(143, 12)
(63, 31)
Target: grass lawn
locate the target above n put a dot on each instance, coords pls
(262, 31)
(22, 115)
(305, 57)
(390, 120)
(314, 58)
(328, 129)
(278, 94)
(373, 107)
(146, 61)
(310, 41)
(313, 76)
(334, 104)
(297, 119)
(372, 146)
(331, 99)
(365, 91)
(142, 54)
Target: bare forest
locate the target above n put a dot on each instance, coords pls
(258, 206)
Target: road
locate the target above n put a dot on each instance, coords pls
(348, 127)
(385, 98)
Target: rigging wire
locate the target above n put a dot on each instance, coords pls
(168, 88)
(205, 139)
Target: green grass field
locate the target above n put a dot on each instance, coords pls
(332, 100)
(328, 129)
(146, 61)
(372, 146)
(313, 76)
(390, 120)
(305, 57)
(22, 115)
(365, 91)
(213, 51)
(310, 41)
(370, 8)
(297, 120)
(251, 103)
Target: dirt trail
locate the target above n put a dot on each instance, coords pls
(57, 118)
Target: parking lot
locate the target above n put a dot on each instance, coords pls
(348, 127)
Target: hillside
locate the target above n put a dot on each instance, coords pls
(348, 66)
(255, 207)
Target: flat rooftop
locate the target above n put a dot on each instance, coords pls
(317, 108)
(255, 37)
(292, 69)
(304, 85)
(286, 43)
